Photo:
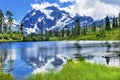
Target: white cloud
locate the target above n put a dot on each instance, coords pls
(95, 8)
(64, 1)
(43, 5)
(116, 2)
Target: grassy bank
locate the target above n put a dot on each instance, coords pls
(11, 37)
(81, 71)
(4, 76)
(108, 35)
(10, 41)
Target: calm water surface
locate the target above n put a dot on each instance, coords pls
(24, 58)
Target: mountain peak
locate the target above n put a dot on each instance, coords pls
(51, 17)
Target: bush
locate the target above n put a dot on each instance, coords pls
(80, 58)
(34, 38)
(6, 37)
(1, 36)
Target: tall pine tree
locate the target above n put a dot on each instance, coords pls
(2, 20)
(77, 26)
(119, 19)
(113, 23)
(107, 23)
(116, 23)
(10, 19)
(94, 27)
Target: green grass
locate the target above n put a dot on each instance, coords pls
(11, 37)
(110, 35)
(80, 71)
(10, 41)
(114, 34)
(4, 76)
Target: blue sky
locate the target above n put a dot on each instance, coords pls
(18, 7)
(95, 8)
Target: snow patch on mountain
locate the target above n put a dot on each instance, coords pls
(32, 30)
(40, 19)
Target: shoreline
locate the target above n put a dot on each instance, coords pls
(59, 40)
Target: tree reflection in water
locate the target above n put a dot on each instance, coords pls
(3, 56)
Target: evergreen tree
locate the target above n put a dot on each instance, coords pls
(73, 31)
(94, 27)
(62, 32)
(21, 27)
(77, 26)
(86, 28)
(5, 28)
(113, 23)
(119, 19)
(2, 20)
(67, 32)
(84, 31)
(56, 33)
(116, 23)
(101, 33)
(47, 35)
(10, 19)
(107, 23)
(50, 33)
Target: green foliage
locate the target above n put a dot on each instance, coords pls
(101, 33)
(84, 31)
(94, 27)
(80, 70)
(11, 36)
(107, 24)
(119, 19)
(113, 23)
(70, 60)
(114, 34)
(10, 19)
(1, 20)
(80, 58)
(1, 36)
(77, 27)
(67, 32)
(4, 76)
(5, 28)
(35, 37)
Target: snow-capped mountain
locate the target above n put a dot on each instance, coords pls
(37, 21)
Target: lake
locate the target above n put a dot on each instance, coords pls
(22, 59)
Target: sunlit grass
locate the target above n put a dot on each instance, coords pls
(80, 71)
(4, 76)
(114, 34)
